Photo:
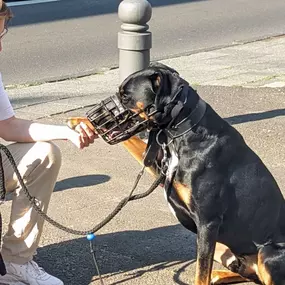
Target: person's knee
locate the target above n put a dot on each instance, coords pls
(52, 153)
(46, 157)
(48, 165)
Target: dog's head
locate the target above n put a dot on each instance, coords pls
(145, 100)
(150, 92)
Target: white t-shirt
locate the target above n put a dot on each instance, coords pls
(6, 109)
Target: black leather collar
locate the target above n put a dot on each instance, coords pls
(182, 121)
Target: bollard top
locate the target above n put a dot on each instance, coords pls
(135, 12)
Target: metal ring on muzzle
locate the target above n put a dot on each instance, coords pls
(113, 122)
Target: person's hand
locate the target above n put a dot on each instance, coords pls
(82, 136)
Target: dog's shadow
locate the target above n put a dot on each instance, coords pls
(251, 117)
(121, 252)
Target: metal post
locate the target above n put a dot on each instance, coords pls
(134, 41)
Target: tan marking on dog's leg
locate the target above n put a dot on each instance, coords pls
(226, 276)
(136, 147)
(183, 192)
(201, 276)
(263, 273)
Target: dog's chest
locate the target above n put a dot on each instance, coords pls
(177, 195)
(172, 166)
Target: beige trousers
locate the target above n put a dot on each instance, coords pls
(39, 165)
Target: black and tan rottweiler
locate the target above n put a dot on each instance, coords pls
(216, 185)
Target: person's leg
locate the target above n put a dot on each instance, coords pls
(38, 164)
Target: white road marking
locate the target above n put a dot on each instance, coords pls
(29, 2)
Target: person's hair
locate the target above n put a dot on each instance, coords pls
(5, 12)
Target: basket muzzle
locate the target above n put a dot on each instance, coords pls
(114, 122)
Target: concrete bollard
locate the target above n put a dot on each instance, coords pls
(134, 41)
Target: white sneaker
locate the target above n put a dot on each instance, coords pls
(28, 273)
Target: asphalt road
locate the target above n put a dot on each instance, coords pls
(67, 37)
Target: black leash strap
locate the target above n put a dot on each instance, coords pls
(151, 149)
(36, 206)
(2, 182)
(119, 207)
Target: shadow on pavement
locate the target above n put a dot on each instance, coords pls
(81, 181)
(120, 252)
(235, 120)
(75, 182)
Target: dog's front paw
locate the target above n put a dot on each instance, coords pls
(72, 122)
(215, 278)
(225, 277)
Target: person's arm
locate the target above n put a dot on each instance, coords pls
(19, 130)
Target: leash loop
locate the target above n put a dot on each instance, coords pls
(163, 142)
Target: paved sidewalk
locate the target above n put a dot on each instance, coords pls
(144, 244)
(256, 64)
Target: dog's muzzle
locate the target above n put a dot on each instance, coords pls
(115, 123)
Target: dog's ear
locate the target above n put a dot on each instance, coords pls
(163, 76)
(168, 84)
(163, 67)
(155, 79)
